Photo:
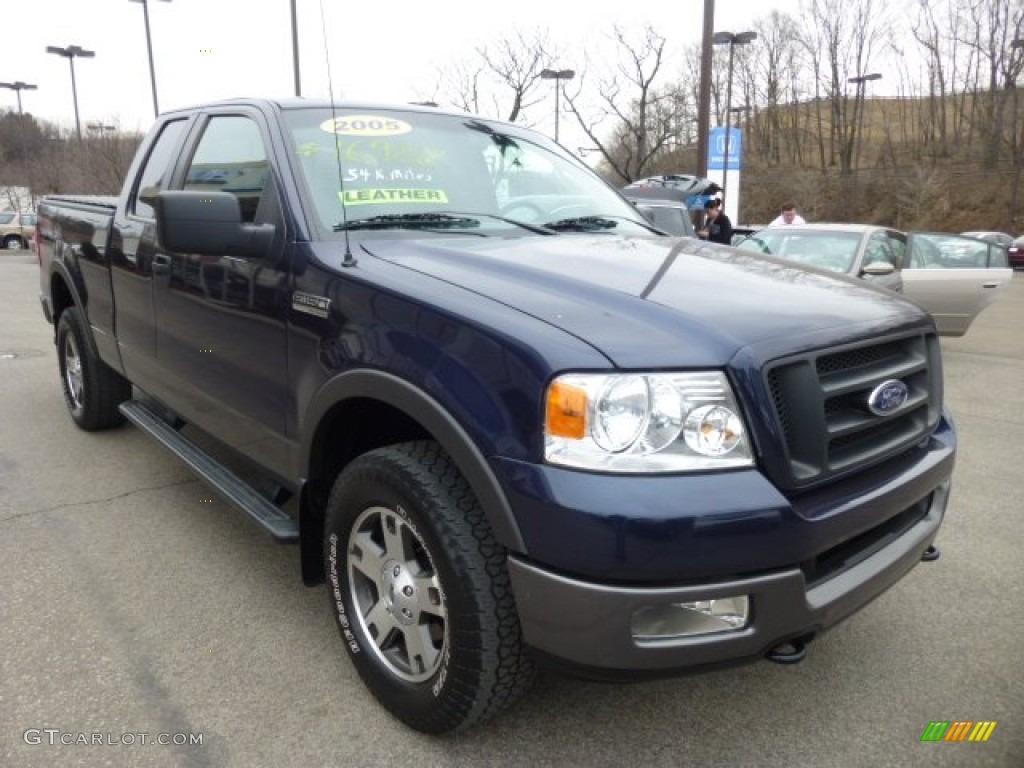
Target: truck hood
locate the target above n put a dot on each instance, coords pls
(649, 302)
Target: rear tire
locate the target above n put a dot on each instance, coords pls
(92, 389)
(420, 590)
(13, 243)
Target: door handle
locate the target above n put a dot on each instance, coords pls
(161, 264)
(990, 285)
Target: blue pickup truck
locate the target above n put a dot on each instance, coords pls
(504, 419)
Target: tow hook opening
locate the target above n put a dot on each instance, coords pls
(931, 554)
(790, 652)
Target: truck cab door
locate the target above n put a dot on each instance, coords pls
(221, 318)
(131, 251)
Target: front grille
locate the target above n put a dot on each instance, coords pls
(821, 404)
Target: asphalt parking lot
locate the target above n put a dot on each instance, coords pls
(130, 604)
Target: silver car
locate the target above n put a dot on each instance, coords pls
(951, 276)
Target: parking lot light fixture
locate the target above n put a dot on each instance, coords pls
(861, 82)
(557, 75)
(149, 50)
(732, 40)
(18, 87)
(70, 53)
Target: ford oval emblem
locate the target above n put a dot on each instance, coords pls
(888, 397)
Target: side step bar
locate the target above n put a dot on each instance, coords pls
(226, 483)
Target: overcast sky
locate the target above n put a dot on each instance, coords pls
(209, 49)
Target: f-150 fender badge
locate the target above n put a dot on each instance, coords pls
(887, 397)
(318, 306)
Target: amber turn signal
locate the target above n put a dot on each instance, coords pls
(567, 411)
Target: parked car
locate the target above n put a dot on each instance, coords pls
(741, 232)
(17, 230)
(999, 238)
(670, 216)
(1015, 253)
(861, 250)
(669, 202)
(678, 182)
(952, 276)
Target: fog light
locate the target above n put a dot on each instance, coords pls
(700, 617)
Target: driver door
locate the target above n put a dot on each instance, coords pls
(221, 320)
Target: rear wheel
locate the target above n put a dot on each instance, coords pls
(92, 389)
(420, 590)
(13, 243)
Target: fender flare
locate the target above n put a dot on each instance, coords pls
(428, 412)
(60, 269)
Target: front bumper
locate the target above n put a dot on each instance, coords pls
(588, 625)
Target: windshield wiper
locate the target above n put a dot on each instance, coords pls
(582, 224)
(536, 228)
(410, 221)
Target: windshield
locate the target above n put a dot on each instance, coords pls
(834, 251)
(397, 170)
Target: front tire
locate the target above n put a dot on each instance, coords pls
(420, 590)
(92, 389)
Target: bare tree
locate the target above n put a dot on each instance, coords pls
(503, 78)
(646, 118)
(774, 74)
(842, 36)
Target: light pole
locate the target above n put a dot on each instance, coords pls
(1016, 45)
(149, 50)
(295, 50)
(860, 81)
(732, 40)
(557, 75)
(18, 86)
(70, 53)
(704, 90)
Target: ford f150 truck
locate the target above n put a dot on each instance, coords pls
(504, 421)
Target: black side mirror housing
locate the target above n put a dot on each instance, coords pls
(209, 223)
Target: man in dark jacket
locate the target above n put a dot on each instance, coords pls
(717, 227)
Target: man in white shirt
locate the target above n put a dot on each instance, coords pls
(788, 216)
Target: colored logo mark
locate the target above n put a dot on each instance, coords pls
(958, 730)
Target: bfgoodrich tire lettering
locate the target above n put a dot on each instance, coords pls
(420, 590)
(92, 389)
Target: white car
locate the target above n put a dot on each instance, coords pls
(951, 276)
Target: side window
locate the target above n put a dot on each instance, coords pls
(154, 173)
(231, 157)
(878, 250)
(898, 245)
(997, 256)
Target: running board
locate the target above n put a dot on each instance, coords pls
(226, 483)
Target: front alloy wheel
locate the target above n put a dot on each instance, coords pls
(420, 590)
(397, 593)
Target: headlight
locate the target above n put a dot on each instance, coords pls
(644, 422)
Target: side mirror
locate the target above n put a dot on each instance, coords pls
(878, 269)
(208, 222)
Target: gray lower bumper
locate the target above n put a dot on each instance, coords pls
(589, 624)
